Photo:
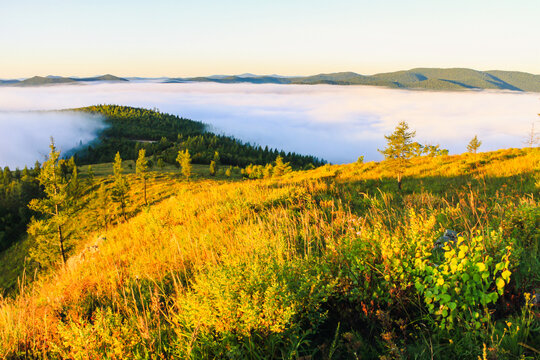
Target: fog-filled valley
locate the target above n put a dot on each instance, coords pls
(25, 136)
(335, 123)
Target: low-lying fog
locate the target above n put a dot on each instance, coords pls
(336, 123)
(25, 136)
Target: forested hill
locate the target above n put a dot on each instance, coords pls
(420, 78)
(163, 135)
(56, 80)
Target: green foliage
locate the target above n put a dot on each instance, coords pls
(459, 289)
(160, 163)
(15, 194)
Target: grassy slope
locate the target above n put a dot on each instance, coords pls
(13, 261)
(220, 268)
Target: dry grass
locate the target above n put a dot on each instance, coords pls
(218, 257)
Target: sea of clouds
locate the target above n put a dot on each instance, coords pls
(336, 123)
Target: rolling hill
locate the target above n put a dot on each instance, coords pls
(420, 78)
(452, 79)
(59, 80)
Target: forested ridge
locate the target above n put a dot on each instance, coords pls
(163, 135)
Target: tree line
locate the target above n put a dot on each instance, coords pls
(163, 135)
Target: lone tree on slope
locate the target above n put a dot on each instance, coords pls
(184, 159)
(141, 168)
(399, 150)
(121, 186)
(57, 207)
(474, 144)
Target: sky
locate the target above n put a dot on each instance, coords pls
(289, 37)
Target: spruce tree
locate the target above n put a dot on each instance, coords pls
(216, 160)
(280, 168)
(267, 172)
(184, 159)
(141, 168)
(103, 210)
(474, 144)
(90, 176)
(399, 150)
(160, 163)
(121, 186)
(37, 168)
(56, 208)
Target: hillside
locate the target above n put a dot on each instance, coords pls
(451, 79)
(331, 263)
(56, 80)
(420, 78)
(130, 129)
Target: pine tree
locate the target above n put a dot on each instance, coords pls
(74, 187)
(216, 160)
(399, 150)
(8, 177)
(37, 168)
(56, 208)
(267, 172)
(120, 187)
(141, 168)
(281, 168)
(103, 210)
(90, 176)
(160, 163)
(474, 144)
(184, 159)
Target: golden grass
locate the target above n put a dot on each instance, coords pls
(162, 265)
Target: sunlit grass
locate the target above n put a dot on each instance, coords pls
(315, 262)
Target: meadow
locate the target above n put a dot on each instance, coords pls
(330, 263)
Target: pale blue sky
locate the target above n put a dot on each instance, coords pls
(184, 38)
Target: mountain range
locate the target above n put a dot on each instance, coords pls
(55, 80)
(419, 78)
